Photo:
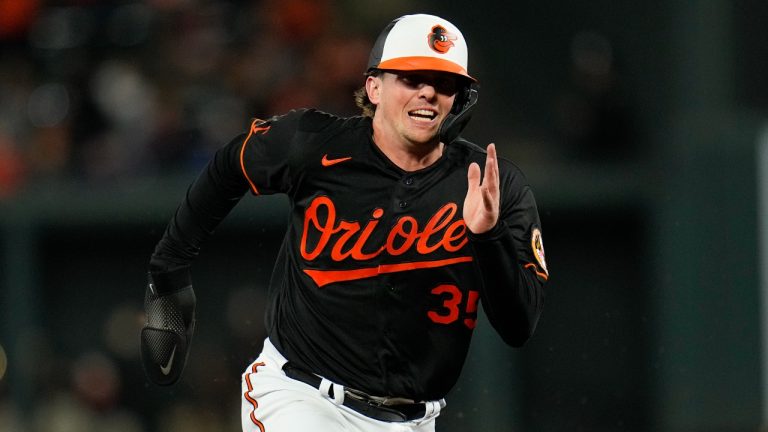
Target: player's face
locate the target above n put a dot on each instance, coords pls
(412, 105)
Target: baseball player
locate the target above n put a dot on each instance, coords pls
(398, 229)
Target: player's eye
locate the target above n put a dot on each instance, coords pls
(410, 80)
(443, 84)
(446, 86)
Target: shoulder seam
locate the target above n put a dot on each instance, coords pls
(256, 127)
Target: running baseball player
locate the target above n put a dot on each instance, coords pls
(398, 229)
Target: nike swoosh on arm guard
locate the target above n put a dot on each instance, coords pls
(169, 304)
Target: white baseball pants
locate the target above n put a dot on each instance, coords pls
(273, 402)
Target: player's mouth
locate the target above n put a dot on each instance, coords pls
(423, 115)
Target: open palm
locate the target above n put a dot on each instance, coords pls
(481, 205)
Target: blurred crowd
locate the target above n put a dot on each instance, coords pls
(100, 91)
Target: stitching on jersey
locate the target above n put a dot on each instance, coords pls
(254, 129)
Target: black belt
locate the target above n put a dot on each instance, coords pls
(367, 407)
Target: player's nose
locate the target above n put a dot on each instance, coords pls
(427, 91)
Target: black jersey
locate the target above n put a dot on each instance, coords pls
(378, 279)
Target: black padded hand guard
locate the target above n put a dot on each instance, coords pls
(167, 333)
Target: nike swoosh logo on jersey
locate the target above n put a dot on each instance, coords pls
(328, 162)
(166, 369)
(325, 277)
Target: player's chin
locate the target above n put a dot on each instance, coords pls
(425, 130)
(422, 136)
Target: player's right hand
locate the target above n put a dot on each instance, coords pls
(167, 332)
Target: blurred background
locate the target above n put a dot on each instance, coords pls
(641, 127)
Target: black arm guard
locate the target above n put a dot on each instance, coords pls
(170, 323)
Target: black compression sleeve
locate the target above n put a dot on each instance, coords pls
(214, 193)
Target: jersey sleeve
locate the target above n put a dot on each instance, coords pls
(256, 160)
(510, 259)
(263, 160)
(209, 199)
(267, 152)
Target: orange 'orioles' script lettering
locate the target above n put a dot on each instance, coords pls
(350, 240)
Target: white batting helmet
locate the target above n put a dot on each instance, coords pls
(420, 42)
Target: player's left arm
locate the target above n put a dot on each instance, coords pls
(169, 300)
(503, 225)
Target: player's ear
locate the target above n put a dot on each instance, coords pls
(373, 88)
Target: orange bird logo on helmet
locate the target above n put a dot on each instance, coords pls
(440, 39)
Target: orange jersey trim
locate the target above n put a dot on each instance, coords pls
(254, 129)
(248, 397)
(325, 277)
(536, 270)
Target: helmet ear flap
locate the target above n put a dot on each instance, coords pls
(466, 96)
(461, 112)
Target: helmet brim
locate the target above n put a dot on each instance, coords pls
(419, 63)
